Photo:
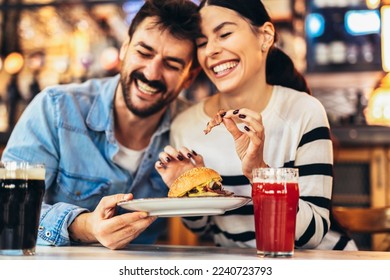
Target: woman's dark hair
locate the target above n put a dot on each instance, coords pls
(179, 17)
(280, 69)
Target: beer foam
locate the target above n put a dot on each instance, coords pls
(36, 173)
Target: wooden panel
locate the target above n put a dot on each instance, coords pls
(378, 177)
(378, 160)
(178, 234)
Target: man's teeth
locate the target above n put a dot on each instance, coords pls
(225, 66)
(145, 88)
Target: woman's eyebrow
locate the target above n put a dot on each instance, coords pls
(217, 28)
(223, 24)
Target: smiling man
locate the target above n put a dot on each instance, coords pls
(99, 140)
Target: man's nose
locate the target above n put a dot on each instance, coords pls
(154, 69)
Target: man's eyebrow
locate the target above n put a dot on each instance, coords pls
(142, 44)
(169, 58)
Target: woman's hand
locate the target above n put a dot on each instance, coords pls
(175, 162)
(249, 142)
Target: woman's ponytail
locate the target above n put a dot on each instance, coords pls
(281, 71)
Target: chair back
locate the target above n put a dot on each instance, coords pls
(363, 220)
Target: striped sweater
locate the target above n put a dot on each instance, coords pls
(297, 134)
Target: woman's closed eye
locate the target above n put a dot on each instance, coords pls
(201, 43)
(226, 34)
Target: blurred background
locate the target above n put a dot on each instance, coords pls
(341, 46)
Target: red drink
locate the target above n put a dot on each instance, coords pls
(275, 208)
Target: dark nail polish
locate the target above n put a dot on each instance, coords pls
(161, 163)
(168, 159)
(194, 153)
(247, 128)
(235, 112)
(189, 155)
(223, 114)
(242, 116)
(180, 157)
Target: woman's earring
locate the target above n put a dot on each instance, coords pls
(264, 47)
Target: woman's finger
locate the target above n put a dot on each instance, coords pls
(198, 159)
(232, 127)
(187, 153)
(249, 118)
(173, 153)
(164, 157)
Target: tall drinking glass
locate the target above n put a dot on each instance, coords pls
(275, 195)
(22, 186)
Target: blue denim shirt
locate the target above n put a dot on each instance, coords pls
(70, 128)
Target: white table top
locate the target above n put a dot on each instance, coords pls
(167, 252)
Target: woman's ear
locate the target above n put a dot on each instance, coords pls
(123, 49)
(268, 30)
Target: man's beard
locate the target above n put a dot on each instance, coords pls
(153, 108)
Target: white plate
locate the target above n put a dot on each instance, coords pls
(186, 206)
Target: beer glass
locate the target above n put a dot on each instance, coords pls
(22, 186)
(275, 196)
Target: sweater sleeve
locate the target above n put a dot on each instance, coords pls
(314, 159)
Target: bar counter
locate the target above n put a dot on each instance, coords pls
(169, 252)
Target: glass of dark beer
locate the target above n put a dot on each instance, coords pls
(22, 186)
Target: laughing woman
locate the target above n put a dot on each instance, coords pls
(268, 118)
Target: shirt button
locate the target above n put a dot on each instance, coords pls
(40, 228)
(150, 156)
(48, 233)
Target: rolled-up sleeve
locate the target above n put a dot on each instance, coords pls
(54, 223)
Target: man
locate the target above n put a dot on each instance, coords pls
(99, 140)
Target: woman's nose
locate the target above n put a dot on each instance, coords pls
(212, 48)
(154, 69)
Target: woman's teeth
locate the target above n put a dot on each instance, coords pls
(145, 88)
(224, 67)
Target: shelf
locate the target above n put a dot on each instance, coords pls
(366, 79)
(361, 135)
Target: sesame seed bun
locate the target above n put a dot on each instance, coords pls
(192, 178)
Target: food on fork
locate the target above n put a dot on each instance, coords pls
(198, 181)
(217, 120)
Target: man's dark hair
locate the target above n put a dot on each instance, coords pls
(179, 17)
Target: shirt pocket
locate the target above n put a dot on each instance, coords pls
(81, 191)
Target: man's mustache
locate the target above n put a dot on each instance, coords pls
(155, 84)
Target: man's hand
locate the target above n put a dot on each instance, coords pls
(101, 225)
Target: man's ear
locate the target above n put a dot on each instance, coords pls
(193, 73)
(123, 50)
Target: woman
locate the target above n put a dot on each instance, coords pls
(269, 119)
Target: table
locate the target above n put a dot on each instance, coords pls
(191, 263)
(169, 252)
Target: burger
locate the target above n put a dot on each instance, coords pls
(196, 182)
